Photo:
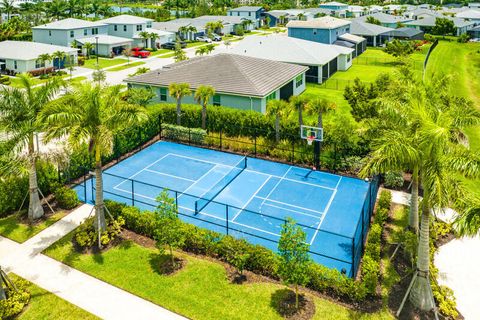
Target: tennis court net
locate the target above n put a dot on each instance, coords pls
(200, 204)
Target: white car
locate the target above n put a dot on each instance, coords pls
(204, 39)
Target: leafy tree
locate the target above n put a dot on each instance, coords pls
(93, 115)
(145, 36)
(127, 52)
(373, 20)
(209, 48)
(7, 6)
(298, 104)
(399, 49)
(295, 259)
(178, 91)
(278, 109)
(179, 54)
(19, 118)
(202, 95)
(99, 75)
(168, 226)
(444, 26)
(200, 51)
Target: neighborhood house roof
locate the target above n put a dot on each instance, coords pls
(333, 3)
(125, 19)
(383, 18)
(224, 19)
(351, 38)
(70, 23)
(104, 39)
(469, 14)
(429, 21)
(405, 32)
(227, 73)
(367, 29)
(320, 23)
(246, 8)
(299, 51)
(160, 33)
(26, 50)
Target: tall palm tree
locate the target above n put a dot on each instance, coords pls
(19, 117)
(153, 40)
(56, 9)
(93, 115)
(182, 32)
(45, 58)
(278, 109)
(298, 103)
(440, 120)
(7, 7)
(202, 95)
(145, 35)
(59, 56)
(178, 91)
(88, 47)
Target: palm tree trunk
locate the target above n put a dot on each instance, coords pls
(300, 115)
(204, 116)
(179, 111)
(99, 223)
(35, 209)
(277, 128)
(421, 294)
(413, 218)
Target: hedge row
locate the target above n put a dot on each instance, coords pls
(370, 269)
(260, 259)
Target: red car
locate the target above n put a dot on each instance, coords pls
(140, 53)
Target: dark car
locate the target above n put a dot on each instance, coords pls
(171, 45)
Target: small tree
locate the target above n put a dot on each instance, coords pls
(209, 48)
(399, 49)
(127, 52)
(59, 56)
(145, 36)
(168, 226)
(88, 47)
(178, 91)
(278, 109)
(99, 75)
(293, 251)
(202, 95)
(140, 96)
(443, 26)
(44, 58)
(179, 54)
(153, 40)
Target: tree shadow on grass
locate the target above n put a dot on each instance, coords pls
(162, 265)
(283, 302)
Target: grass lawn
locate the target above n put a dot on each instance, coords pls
(45, 305)
(75, 80)
(103, 62)
(13, 228)
(199, 291)
(159, 51)
(195, 44)
(15, 82)
(126, 66)
(169, 55)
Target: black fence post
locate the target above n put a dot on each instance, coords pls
(226, 218)
(93, 198)
(353, 256)
(176, 200)
(159, 127)
(293, 151)
(189, 136)
(85, 184)
(133, 192)
(255, 143)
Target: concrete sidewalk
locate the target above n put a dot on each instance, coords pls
(87, 292)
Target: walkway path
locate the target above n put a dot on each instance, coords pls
(89, 293)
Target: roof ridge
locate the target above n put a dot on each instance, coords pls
(234, 58)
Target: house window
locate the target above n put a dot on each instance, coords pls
(85, 32)
(349, 57)
(14, 64)
(94, 30)
(72, 33)
(149, 24)
(115, 27)
(49, 33)
(139, 27)
(249, 14)
(271, 96)
(39, 64)
(314, 31)
(163, 94)
(298, 81)
(124, 28)
(216, 100)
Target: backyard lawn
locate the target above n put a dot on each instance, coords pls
(199, 291)
(103, 62)
(45, 305)
(16, 229)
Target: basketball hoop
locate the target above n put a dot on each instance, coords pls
(310, 140)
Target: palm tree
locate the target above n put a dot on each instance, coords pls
(178, 91)
(88, 47)
(298, 103)
(153, 40)
(19, 117)
(44, 58)
(200, 51)
(209, 48)
(145, 36)
(56, 9)
(277, 109)
(246, 24)
(93, 115)
(7, 7)
(59, 56)
(182, 32)
(202, 95)
(439, 119)
(192, 30)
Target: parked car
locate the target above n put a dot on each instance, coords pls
(139, 53)
(204, 39)
(171, 45)
(216, 37)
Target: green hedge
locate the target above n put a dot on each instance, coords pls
(260, 259)
(16, 300)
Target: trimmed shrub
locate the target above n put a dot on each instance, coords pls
(16, 300)
(370, 273)
(385, 200)
(66, 198)
(86, 237)
(174, 132)
(393, 179)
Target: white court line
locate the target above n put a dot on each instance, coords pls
(326, 210)
(299, 212)
(203, 176)
(275, 187)
(290, 205)
(288, 179)
(169, 175)
(251, 198)
(140, 171)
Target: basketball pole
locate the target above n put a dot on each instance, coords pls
(316, 154)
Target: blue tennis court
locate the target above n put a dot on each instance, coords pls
(247, 197)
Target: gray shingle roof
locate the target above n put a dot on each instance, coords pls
(367, 29)
(384, 18)
(405, 32)
(227, 73)
(246, 8)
